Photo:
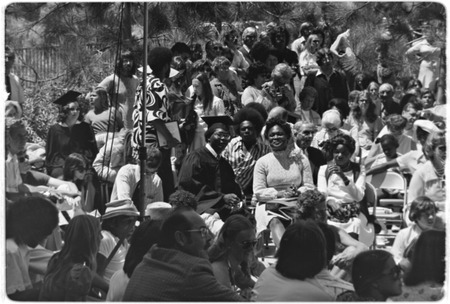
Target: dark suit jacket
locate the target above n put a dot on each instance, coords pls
(316, 159)
(247, 55)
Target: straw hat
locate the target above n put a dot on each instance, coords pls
(120, 207)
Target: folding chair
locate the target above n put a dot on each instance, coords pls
(389, 210)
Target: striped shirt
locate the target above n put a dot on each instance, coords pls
(242, 160)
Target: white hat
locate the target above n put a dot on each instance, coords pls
(426, 125)
(120, 207)
(157, 210)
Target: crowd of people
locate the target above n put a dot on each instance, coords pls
(170, 186)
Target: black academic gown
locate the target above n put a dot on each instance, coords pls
(208, 178)
(62, 141)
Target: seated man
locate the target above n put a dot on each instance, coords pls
(304, 133)
(128, 181)
(177, 267)
(208, 175)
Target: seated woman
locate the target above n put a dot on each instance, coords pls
(29, 221)
(74, 171)
(280, 174)
(145, 235)
(231, 253)
(257, 75)
(429, 179)
(128, 181)
(225, 85)
(278, 90)
(104, 118)
(301, 256)
(307, 97)
(366, 124)
(395, 125)
(311, 205)
(425, 279)
(204, 103)
(330, 127)
(375, 277)
(343, 182)
(70, 272)
(422, 214)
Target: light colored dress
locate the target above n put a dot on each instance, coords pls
(336, 190)
(275, 172)
(17, 263)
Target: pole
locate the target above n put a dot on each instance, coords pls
(142, 148)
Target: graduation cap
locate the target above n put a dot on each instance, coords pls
(70, 96)
(216, 122)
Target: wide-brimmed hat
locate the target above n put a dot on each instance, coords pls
(157, 210)
(120, 207)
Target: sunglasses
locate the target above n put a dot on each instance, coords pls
(248, 244)
(217, 48)
(203, 231)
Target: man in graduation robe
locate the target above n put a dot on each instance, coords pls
(209, 176)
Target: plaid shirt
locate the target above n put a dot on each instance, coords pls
(242, 160)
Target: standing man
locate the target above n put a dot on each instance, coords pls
(121, 87)
(329, 82)
(249, 37)
(156, 105)
(12, 82)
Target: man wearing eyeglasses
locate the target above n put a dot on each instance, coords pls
(208, 175)
(177, 267)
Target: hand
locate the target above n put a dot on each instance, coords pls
(231, 199)
(345, 258)
(334, 205)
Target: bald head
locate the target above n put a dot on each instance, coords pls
(278, 112)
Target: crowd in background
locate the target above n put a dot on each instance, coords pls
(247, 138)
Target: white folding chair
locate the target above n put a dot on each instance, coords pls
(389, 210)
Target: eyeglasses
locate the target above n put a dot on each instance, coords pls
(203, 231)
(223, 136)
(73, 109)
(248, 244)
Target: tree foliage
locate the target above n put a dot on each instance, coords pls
(89, 36)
